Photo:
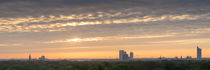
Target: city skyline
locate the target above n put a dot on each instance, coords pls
(124, 56)
(198, 55)
(97, 29)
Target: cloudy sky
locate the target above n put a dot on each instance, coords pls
(62, 29)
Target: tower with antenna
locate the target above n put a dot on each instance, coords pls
(29, 57)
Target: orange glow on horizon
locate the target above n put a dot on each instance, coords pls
(111, 54)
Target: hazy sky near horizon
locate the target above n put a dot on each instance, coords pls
(100, 28)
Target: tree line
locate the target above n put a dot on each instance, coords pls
(100, 65)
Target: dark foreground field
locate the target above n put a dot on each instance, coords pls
(93, 65)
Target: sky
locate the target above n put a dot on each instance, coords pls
(73, 29)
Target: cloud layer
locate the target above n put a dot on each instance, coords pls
(46, 24)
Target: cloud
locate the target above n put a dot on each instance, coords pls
(36, 8)
(10, 45)
(58, 23)
(75, 40)
(108, 38)
(57, 15)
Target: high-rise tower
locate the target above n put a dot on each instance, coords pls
(29, 58)
(121, 54)
(131, 55)
(199, 53)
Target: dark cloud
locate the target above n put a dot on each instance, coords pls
(36, 8)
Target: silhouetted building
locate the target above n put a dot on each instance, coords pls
(131, 55)
(188, 57)
(199, 53)
(29, 58)
(176, 58)
(42, 58)
(121, 53)
(123, 56)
